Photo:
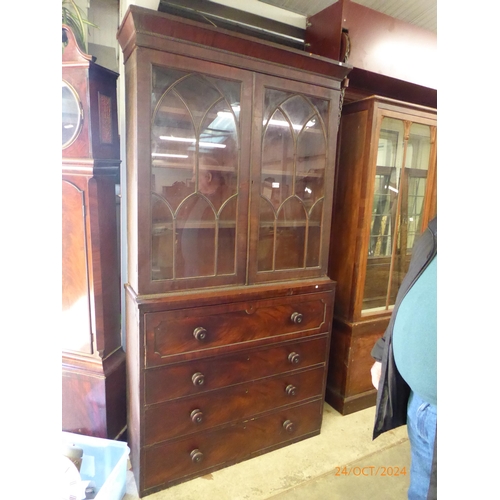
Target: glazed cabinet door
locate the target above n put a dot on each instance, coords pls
(192, 189)
(294, 139)
(402, 180)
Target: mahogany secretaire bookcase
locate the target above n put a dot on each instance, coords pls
(230, 168)
(93, 361)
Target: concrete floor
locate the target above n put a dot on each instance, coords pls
(343, 462)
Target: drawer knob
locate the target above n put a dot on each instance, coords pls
(297, 318)
(294, 358)
(196, 456)
(198, 379)
(200, 333)
(197, 416)
(291, 390)
(288, 426)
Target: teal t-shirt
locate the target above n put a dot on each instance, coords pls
(415, 336)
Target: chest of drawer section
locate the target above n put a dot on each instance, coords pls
(223, 382)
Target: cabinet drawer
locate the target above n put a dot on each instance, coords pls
(201, 452)
(204, 411)
(197, 331)
(203, 375)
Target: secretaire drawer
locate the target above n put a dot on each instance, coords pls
(204, 411)
(196, 331)
(207, 374)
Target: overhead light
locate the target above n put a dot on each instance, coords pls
(211, 145)
(284, 123)
(236, 109)
(177, 139)
(192, 141)
(168, 155)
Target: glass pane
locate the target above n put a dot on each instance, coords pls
(194, 175)
(172, 150)
(272, 99)
(265, 255)
(321, 107)
(384, 212)
(277, 160)
(290, 235)
(198, 94)
(226, 244)
(163, 78)
(196, 233)
(298, 110)
(218, 155)
(311, 162)
(417, 166)
(162, 234)
(314, 236)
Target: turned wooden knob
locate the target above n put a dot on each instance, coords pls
(291, 390)
(196, 456)
(288, 426)
(200, 333)
(198, 379)
(294, 358)
(297, 318)
(197, 416)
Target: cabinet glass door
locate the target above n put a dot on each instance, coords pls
(294, 162)
(194, 175)
(399, 194)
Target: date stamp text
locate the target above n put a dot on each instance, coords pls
(370, 470)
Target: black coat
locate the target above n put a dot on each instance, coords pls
(394, 392)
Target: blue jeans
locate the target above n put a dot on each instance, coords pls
(421, 425)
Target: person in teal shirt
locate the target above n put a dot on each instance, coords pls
(405, 368)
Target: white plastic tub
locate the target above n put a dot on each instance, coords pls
(104, 463)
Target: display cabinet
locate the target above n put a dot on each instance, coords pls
(93, 361)
(230, 166)
(385, 196)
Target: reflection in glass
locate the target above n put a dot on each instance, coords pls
(398, 202)
(72, 115)
(194, 175)
(292, 181)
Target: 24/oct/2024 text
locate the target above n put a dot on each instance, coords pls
(370, 470)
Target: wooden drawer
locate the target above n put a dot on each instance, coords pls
(175, 461)
(200, 331)
(183, 379)
(201, 412)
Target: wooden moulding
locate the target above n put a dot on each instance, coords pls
(147, 28)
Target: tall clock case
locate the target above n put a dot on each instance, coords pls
(93, 361)
(231, 150)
